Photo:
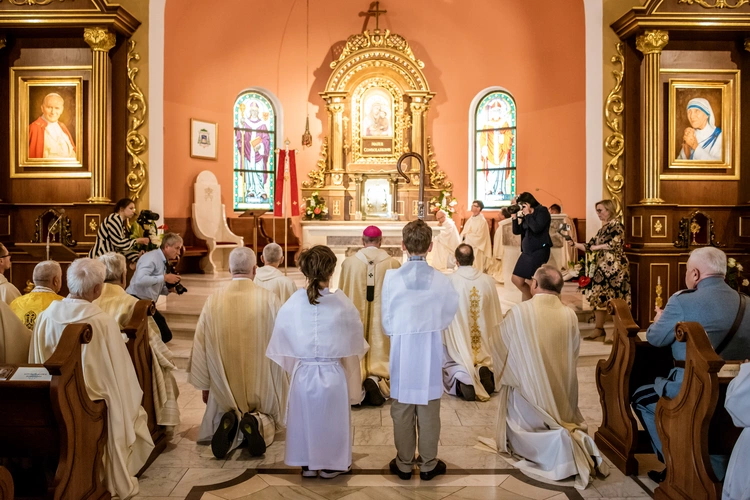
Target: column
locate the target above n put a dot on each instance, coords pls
(101, 41)
(335, 102)
(418, 106)
(651, 44)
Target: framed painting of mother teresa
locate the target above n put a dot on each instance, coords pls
(703, 124)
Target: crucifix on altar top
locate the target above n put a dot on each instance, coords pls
(373, 12)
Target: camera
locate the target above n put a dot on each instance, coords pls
(515, 208)
(179, 288)
(147, 217)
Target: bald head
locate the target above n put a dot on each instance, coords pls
(273, 255)
(464, 255)
(548, 280)
(48, 274)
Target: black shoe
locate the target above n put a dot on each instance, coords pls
(439, 469)
(488, 379)
(249, 427)
(395, 470)
(224, 435)
(465, 391)
(656, 476)
(372, 393)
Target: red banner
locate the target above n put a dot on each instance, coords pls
(286, 182)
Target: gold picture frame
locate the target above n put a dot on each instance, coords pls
(49, 122)
(203, 139)
(383, 146)
(703, 128)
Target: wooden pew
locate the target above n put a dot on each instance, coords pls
(140, 353)
(631, 364)
(695, 423)
(55, 420)
(6, 484)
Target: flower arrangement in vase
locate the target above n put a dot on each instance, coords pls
(445, 202)
(316, 207)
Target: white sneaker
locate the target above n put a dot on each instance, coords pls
(330, 474)
(309, 473)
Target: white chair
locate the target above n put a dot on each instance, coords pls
(210, 224)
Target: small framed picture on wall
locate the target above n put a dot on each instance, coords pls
(203, 136)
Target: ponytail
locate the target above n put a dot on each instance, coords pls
(317, 264)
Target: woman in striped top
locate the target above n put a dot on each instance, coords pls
(111, 235)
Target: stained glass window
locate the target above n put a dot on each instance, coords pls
(495, 150)
(254, 158)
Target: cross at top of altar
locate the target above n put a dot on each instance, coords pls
(373, 12)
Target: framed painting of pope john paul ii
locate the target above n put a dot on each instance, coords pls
(703, 124)
(48, 132)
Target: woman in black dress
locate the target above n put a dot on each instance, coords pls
(532, 223)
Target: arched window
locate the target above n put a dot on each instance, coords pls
(493, 162)
(254, 145)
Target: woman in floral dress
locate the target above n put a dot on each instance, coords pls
(608, 267)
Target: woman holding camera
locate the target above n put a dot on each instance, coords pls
(532, 222)
(610, 278)
(112, 235)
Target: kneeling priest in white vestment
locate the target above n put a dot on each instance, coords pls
(737, 480)
(107, 370)
(14, 337)
(119, 304)
(243, 390)
(362, 281)
(318, 340)
(269, 276)
(467, 362)
(539, 422)
(444, 243)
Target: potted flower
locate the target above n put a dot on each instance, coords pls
(316, 208)
(445, 202)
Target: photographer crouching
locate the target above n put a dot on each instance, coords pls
(155, 276)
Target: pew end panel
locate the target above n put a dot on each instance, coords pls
(57, 420)
(6, 485)
(631, 363)
(139, 349)
(695, 423)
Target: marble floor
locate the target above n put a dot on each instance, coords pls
(188, 470)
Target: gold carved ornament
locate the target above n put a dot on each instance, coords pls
(474, 331)
(437, 177)
(99, 39)
(33, 2)
(318, 175)
(377, 39)
(615, 142)
(397, 113)
(719, 4)
(658, 302)
(136, 142)
(652, 41)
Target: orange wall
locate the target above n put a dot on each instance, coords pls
(535, 49)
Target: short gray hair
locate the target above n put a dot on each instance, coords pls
(272, 253)
(84, 274)
(241, 261)
(170, 240)
(712, 260)
(549, 279)
(45, 272)
(115, 264)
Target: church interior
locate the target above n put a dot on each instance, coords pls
(243, 124)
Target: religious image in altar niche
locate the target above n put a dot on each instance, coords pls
(377, 122)
(495, 153)
(254, 159)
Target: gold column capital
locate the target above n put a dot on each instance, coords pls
(652, 41)
(3, 42)
(99, 39)
(747, 44)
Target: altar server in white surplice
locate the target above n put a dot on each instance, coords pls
(444, 243)
(107, 370)
(476, 233)
(737, 480)
(14, 337)
(418, 304)
(362, 281)
(538, 418)
(467, 363)
(245, 394)
(318, 339)
(269, 276)
(119, 304)
(8, 291)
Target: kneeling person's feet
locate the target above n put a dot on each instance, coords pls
(395, 470)
(488, 379)
(656, 476)
(330, 474)
(373, 397)
(250, 428)
(440, 468)
(224, 435)
(466, 392)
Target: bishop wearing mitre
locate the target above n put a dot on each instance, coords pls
(14, 337)
(119, 304)
(361, 280)
(107, 370)
(444, 243)
(269, 276)
(476, 233)
(467, 362)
